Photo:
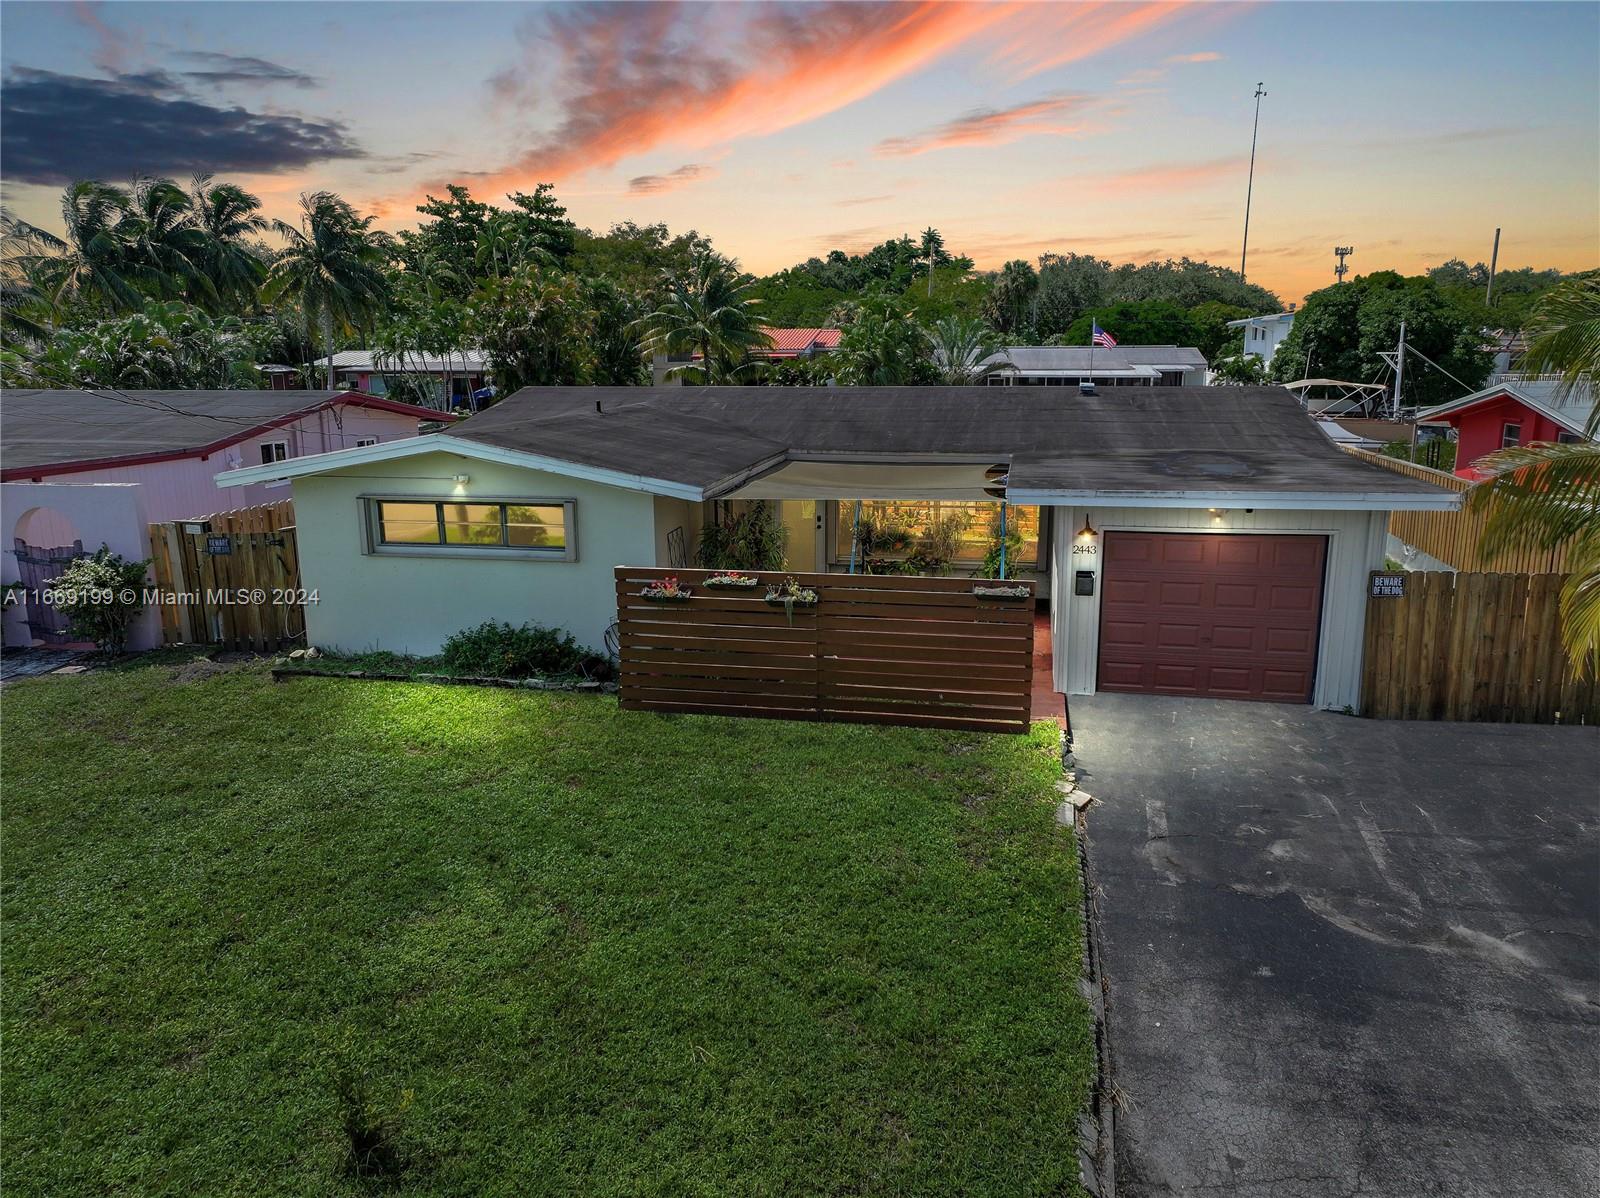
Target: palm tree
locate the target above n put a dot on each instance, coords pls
(1549, 495)
(93, 263)
(228, 216)
(707, 310)
(28, 309)
(965, 350)
(932, 247)
(332, 267)
(165, 247)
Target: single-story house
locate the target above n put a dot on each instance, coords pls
(1124, 366)
(86, 467)
(1263, 334)
(451, 379)
(1190, 540)
(1513, 411)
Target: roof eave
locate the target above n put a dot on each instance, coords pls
(1443, 501)
(339, 459)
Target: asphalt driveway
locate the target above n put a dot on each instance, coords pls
(1346, 956)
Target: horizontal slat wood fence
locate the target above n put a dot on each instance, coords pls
(875, 649)
(1452, 537)
(1474, 647)
(245, 599)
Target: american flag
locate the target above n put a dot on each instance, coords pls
(1102, 338)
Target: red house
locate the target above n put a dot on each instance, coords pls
(1515, 412)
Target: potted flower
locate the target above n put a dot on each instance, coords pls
(666, 590)
(732, 580)
(1001, 590)
(791, 595)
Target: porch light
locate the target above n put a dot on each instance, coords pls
(1088, 529)
(463, 479)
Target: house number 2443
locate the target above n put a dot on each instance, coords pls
(1085, 549)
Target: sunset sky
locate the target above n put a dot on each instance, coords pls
(783, 130)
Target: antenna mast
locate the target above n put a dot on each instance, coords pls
(1343, 252)
(1244, 249)
(1494, 260)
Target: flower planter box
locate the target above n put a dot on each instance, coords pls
(778, 601)
(728, 584)
(1010, 594)
(650, 596)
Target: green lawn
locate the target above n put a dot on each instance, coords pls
(521, 943)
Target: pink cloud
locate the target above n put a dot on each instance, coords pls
(631, 78)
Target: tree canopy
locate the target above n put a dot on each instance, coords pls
(1341, 330)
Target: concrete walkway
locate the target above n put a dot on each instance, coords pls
(1347, 956)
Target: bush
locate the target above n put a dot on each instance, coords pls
(101, 596)
(752, 539)
(499, 650)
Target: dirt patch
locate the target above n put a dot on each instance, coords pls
(202, 668)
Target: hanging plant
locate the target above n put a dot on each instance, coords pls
(791, 595)
(733, 581)
(667, 590)
(1000, 591)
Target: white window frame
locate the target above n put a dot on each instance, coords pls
(1507, 439)
(374, 545)
(362, 442)
(266, 445)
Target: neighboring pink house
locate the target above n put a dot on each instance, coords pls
(1515, 411)
(93, 467)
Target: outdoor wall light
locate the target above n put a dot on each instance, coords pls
(1218, 513)
(1088, 529)
(463, 479)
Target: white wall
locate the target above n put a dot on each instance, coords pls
(1356, 543)
(673, 514)
(411, 604)
(111, 514)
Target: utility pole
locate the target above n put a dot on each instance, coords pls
(1343, 252)
(1494, 260)
(1399, 370)
(1250, 187)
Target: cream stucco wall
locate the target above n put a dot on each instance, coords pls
(1355, 545)
(410, 604)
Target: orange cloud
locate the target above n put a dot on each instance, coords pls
(1199, 56)
(992, 127)
(635, 77)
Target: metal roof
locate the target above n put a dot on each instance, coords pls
(787, 343)
(49, 430)
(1028, 359)
(409, 362)
(1571, 409)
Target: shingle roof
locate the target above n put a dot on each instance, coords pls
(1126, 438)
(51, 429)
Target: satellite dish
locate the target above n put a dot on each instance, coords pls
(998, 477)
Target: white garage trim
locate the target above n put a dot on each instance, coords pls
(1356, 542)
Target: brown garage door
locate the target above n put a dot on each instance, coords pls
(1228, 616)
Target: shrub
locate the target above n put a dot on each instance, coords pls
(101, 596)
(752, 539)
(499, 650)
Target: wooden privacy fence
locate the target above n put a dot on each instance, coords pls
(875, 649)
(1452, 537)
(1473, 647)
(230, 579)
